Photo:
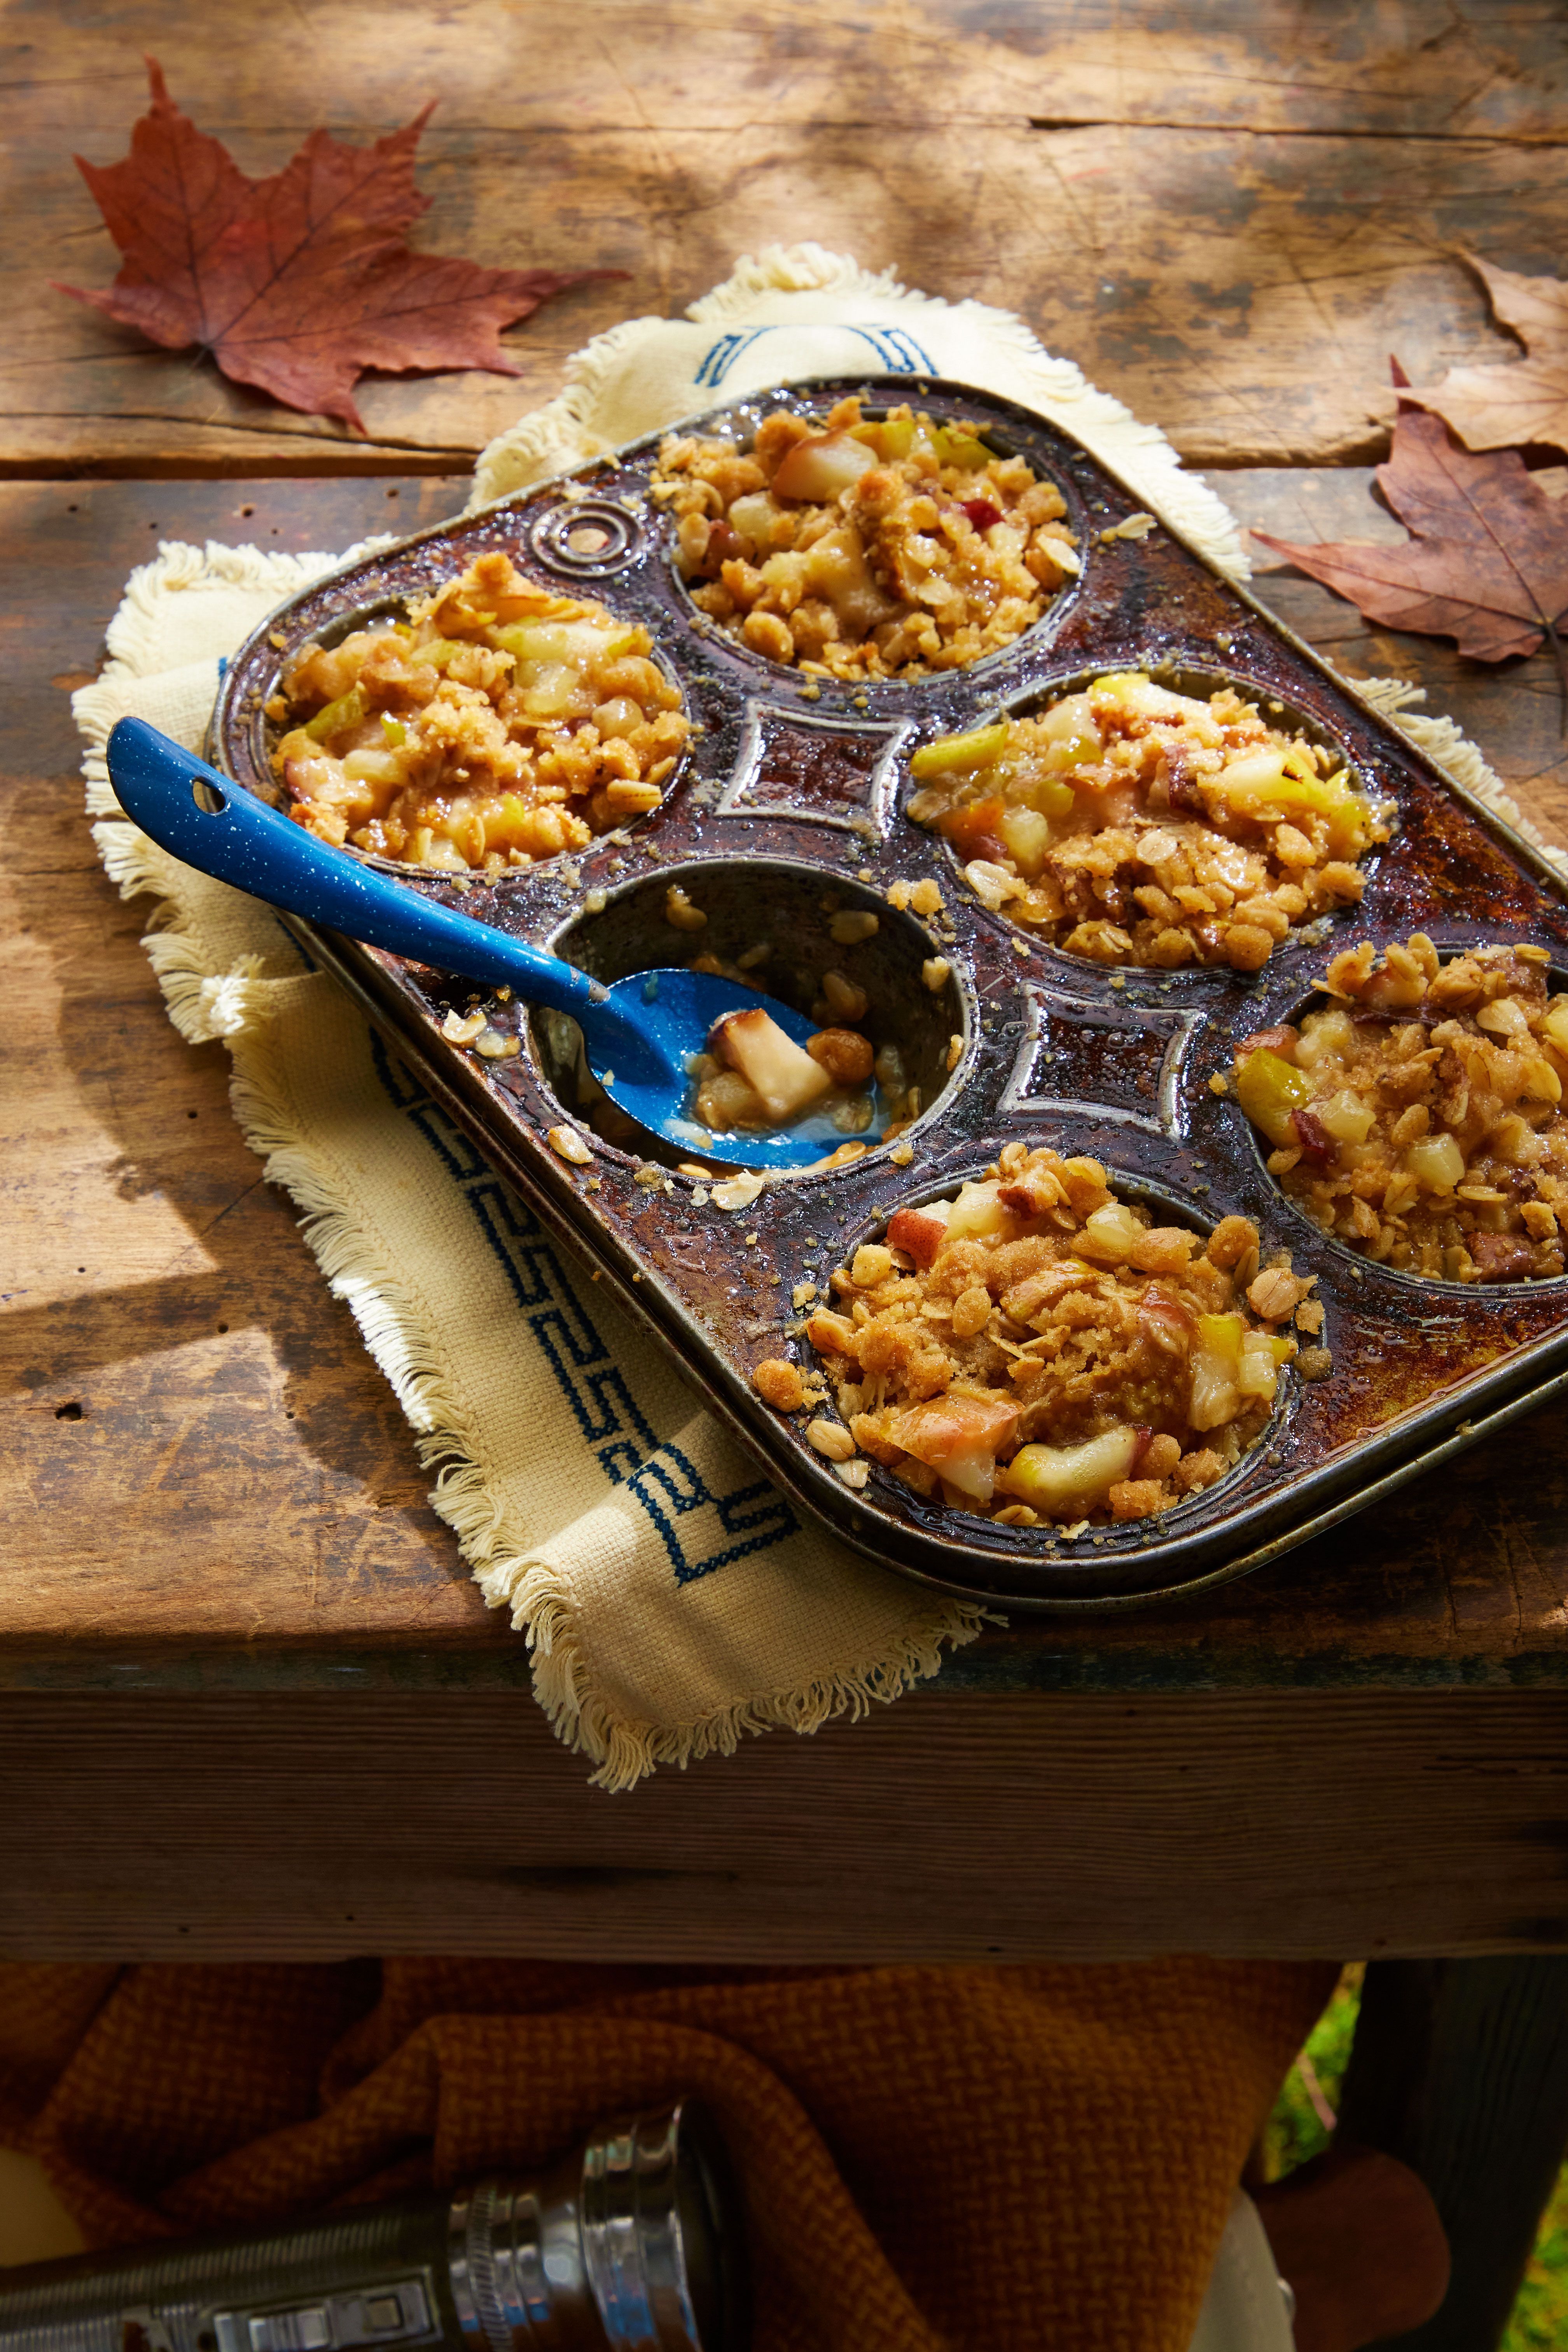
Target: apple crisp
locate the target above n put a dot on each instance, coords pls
(1135, 825)
(498, 724)
(1418, 1116)
(1036, 1349)
(864, 548)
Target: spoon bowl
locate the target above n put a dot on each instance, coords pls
(639, 1035)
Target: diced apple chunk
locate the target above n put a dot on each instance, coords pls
(919, 1232)
(960, 1437)
(780, 1072)
(1067, 1482)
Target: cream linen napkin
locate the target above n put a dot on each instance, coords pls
(671, 1597)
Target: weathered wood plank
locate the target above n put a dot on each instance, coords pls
(1231, 244)
(1489, 70)
(180, 1384)
(947, 1829)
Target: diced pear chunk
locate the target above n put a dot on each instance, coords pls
(1346, 1114)
(1071, 723)
(755, 516)
(1324, 1036)
(979, 1216)
(1217, 1371)
(1110, 1234)
(1026, 836)
(1269, 1090)
(1262, 1353)
(960, 754)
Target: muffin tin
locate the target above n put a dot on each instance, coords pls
(786, 810)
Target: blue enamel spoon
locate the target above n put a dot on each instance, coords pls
(639, 1033)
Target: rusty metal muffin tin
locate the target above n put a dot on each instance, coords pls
(791, 794)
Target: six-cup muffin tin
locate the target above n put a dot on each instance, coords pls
(786, 809)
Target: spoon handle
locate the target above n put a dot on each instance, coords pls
(222, 830)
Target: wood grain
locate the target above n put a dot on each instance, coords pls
(1231, 243)
(211, 1485)
(180, 1383)
(947, 1828)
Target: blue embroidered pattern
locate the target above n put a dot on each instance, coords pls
(898, 350)
(720, 357)
(898, 354)
(661, 1478)
(670, 1489)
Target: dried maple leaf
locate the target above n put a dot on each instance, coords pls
(300, 282)
(1520, 401)
(1487, 560)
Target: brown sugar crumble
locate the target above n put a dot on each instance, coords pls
(779, 1384)
(1418, 1116)
(1035, 1350)
(1135, 825)
(864, 548)
(498, 724)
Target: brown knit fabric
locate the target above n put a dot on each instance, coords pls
(1007, 2159)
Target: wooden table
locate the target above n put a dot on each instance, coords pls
(251, 1703)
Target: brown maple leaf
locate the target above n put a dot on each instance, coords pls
(1516, 402)
(300, 282)
(1487, 560)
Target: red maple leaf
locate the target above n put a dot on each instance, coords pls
(300, 282)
